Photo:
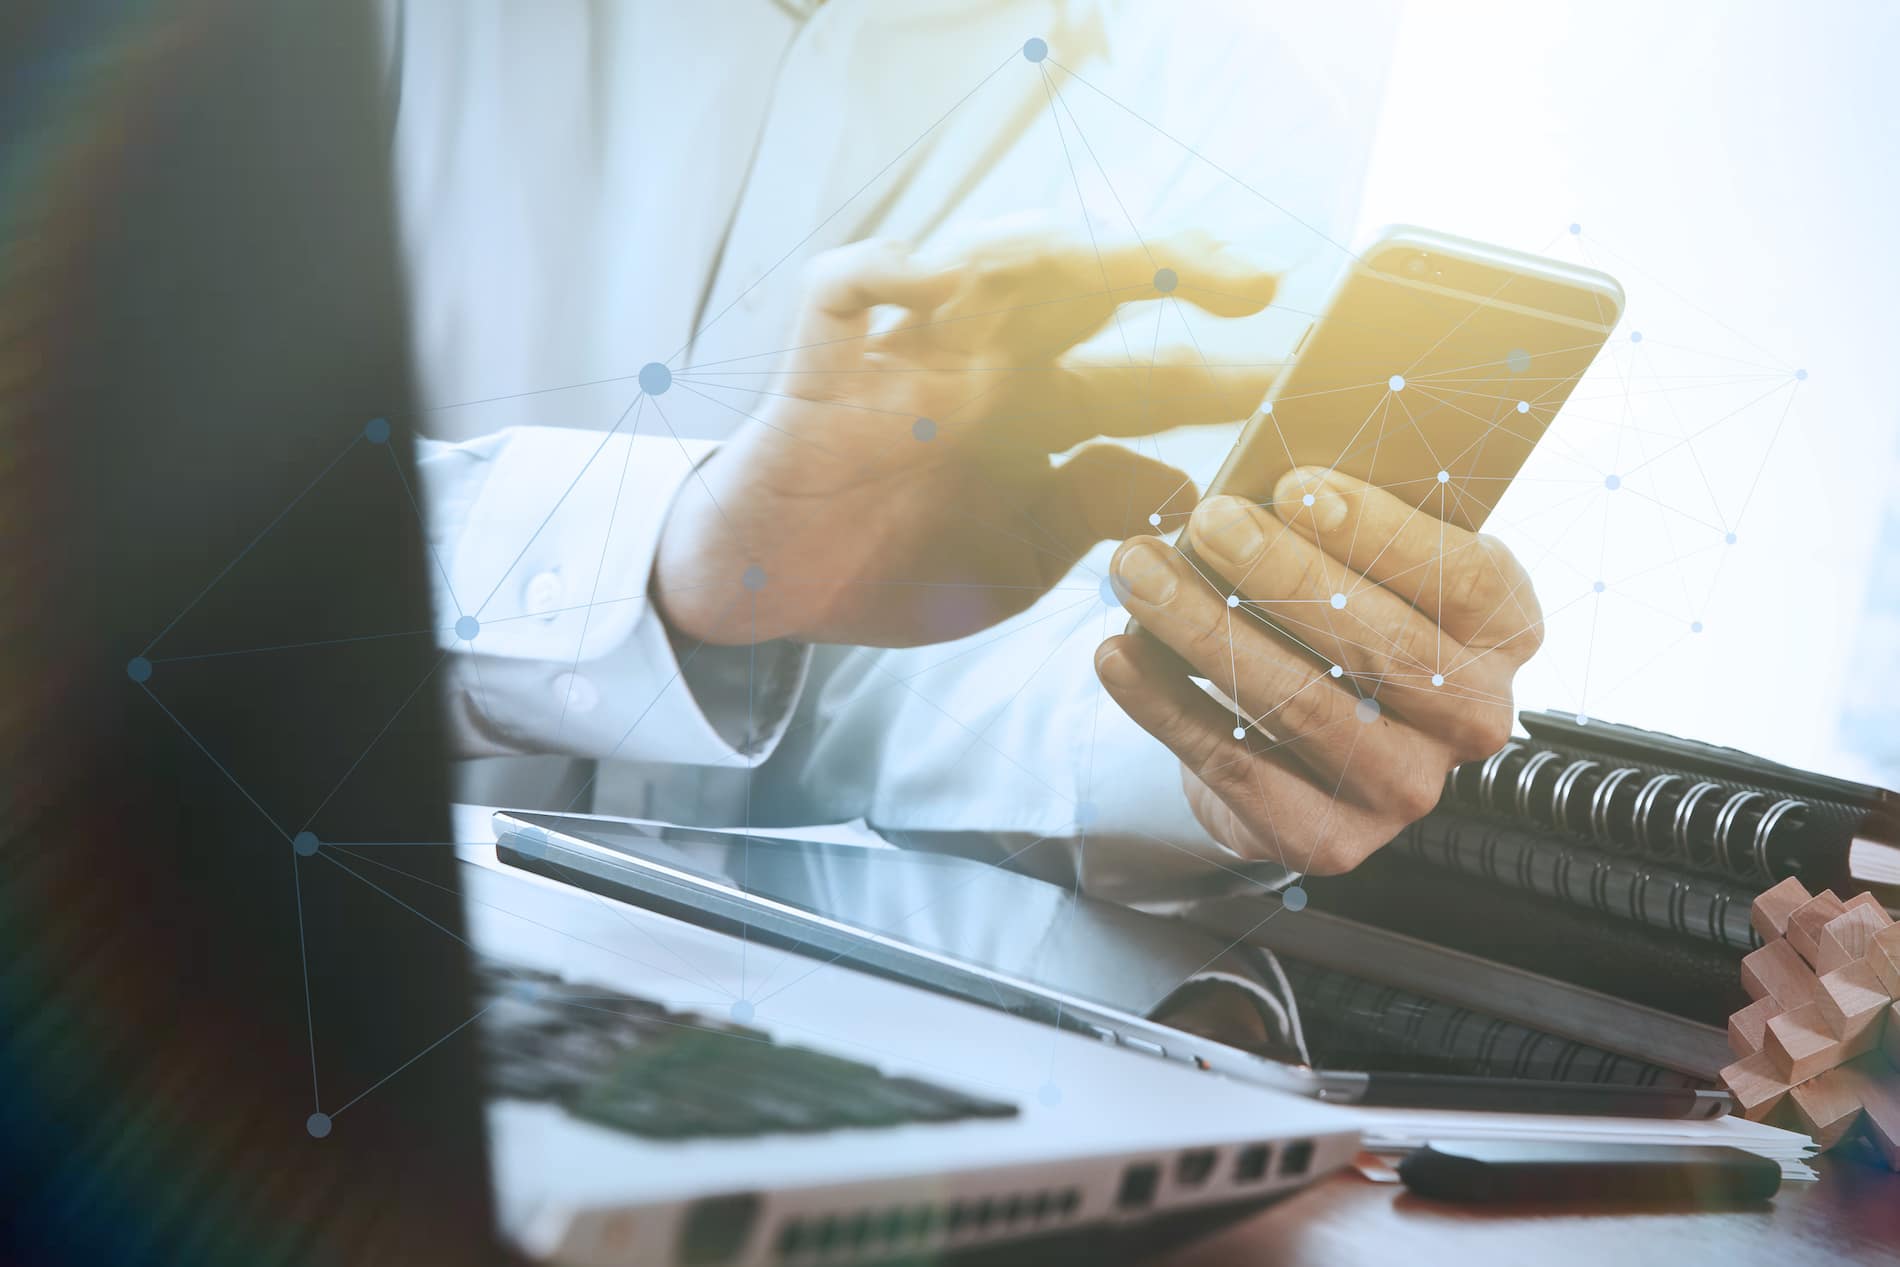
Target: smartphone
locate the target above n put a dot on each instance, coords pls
(1574, 1171)
(1433, 371)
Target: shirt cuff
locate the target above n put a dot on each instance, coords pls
(544, 540)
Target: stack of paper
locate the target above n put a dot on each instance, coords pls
(1388, 1131)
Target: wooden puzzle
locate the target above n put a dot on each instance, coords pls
(1819, 1048)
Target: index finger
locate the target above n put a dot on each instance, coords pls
(844, 282)
(1471, 584)
(1174, 389)
(1207, 272)
(1192, 265)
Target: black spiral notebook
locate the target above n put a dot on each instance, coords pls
(1687, 805)
(1605, 872)
(1702, 908)
(1700, 981)
(1352, 1023)
(1387, 1000)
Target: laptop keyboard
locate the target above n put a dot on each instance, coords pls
(637, 1066)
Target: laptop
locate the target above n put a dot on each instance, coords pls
(239, 1028)
(663, 1092)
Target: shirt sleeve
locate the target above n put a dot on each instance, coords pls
(1004, 742)
(543, 541)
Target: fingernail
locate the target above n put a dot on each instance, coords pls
(1306, 494)
(1144, 568)
(1225, 526)
(1115, 667)
(1329, 511)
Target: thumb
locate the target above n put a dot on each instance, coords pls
(1106, 492)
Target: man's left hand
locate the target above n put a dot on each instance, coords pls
(1424, 625)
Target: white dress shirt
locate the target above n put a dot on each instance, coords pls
(587, 187)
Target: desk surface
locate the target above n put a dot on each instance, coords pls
(1851, 1216)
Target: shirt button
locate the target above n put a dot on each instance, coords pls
(543, 595)
(575, 693)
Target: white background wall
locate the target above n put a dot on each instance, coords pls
(1735, 166)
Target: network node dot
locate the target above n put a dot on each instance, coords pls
(1366, 710)
(1444, 477)
(1050, 1094)
(1240, 732)
(1636, 336)
(1035, 49)
(1085, 813)
(1695, 626)
(1306, 499)
(1293, 897)
(1111, 597)
(1729, 538)
(1339, 602)
(1598, 587)
(655, 378)
(1438, 679)
(1266, 407)
(1802, 375)
(467, 627)
(376, 430)
(1612, 482)
(1583, 719)
(305, 843)
(1233, 600)
(753, 578)
(1154, 520)
(318, 1124)
(1336, 671)
(741, 1012)
(1517, 360)
(1165, 280)
(1575, 229)
(1396, 382)
(924, 429)
(1523, 406)
(139, 669)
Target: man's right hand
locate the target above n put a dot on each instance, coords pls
(898, 487)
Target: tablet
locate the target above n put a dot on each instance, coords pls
(994, 937)
(928, 919)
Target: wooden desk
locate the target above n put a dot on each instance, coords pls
(1852, 1216)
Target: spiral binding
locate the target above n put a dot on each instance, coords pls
(1704, 908)
(1489, 772)
(1527, 776)
(1702, 824)
(1560, 793)
(1725, 824)
(1359, 1024)
(1787, 805)
(1685, 812)
(1600, 800)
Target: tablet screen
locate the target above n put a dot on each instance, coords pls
(973, 928)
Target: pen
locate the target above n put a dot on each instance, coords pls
(1518, 1095)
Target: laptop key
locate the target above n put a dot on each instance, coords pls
(633, 1065)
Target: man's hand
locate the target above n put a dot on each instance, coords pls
(1424, 624)
(898, 487)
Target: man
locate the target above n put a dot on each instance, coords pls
(892, 487)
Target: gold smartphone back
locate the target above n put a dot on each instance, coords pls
(1433, 372)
